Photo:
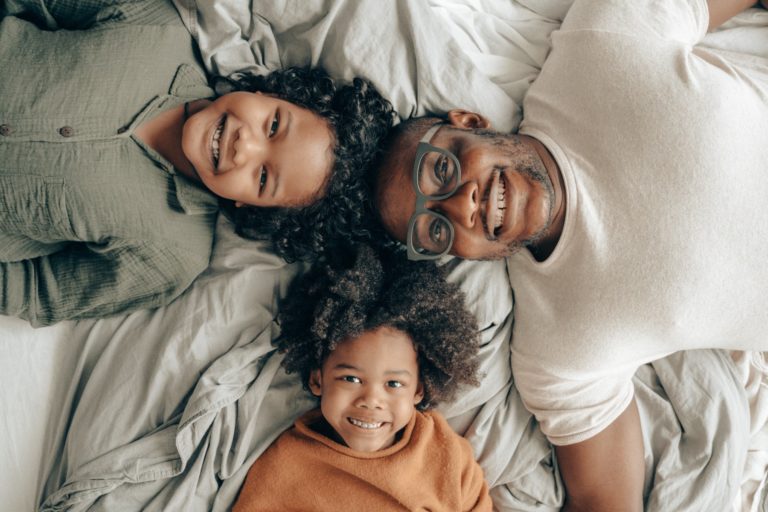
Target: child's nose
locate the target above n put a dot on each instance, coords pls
(248, 147)
(370, 398)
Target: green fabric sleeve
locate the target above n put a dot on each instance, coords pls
(84, 14)
(90, 281)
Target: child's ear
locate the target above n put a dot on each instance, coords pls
(316, 382)
(419, 394)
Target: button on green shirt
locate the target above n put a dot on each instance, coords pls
(92, 221)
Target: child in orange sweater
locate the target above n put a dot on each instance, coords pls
(380, 342)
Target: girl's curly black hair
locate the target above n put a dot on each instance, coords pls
(330, 304)
(360, 117)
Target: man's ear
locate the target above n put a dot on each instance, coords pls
(419, 394)
(467, 120)
(316, 382)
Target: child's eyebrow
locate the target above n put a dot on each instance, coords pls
(345, 366)
(398, 372)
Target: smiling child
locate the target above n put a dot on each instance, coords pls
(380, 343)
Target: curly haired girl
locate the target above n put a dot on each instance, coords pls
(117, 157)
(380, 342)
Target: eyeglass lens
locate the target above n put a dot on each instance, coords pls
(437, 174)
(431, 233)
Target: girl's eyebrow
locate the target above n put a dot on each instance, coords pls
(285, 128)
(345, 366)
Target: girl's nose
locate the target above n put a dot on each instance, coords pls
(248, 147)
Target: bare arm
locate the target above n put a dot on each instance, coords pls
(721, 11)
(605, 473)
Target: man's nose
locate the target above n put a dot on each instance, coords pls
(249, 147)
(462, 207)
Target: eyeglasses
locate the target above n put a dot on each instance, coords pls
(436, 176)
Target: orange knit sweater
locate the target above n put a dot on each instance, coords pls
(429, 468)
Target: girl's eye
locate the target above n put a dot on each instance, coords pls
(275, 124)
(263, 179)
(351, 378)
(394, 384)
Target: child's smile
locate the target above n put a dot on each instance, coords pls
(369, 387)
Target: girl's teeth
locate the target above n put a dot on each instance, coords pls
(363, 424)
(215, 142)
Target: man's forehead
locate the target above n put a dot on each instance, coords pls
(395, 198)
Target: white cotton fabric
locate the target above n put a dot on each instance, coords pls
(91, 407)
(662, 145)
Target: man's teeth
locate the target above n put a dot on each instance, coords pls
(364, 424)
(215, 142)
(500, 204)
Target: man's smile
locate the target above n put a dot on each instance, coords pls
(493, 207)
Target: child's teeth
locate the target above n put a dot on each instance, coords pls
(363, 424)
(216, 140)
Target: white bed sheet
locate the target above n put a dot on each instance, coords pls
(37, 393)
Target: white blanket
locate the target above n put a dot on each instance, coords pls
(166, 409)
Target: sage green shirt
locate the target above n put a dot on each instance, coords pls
(93, 222)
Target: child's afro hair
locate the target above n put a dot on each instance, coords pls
(371, 289)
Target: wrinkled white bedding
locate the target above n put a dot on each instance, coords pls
(166, 409)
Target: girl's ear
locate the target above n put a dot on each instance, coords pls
(316, 382)
(238, 204)
(419, 394)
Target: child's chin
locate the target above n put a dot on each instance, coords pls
(371, 446)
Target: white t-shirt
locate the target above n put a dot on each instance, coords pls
(663, 147)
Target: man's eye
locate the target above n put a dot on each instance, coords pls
(444, 170)
(351, 378)
(263, 179)
(275, 124)
(437, 231)
(394, 384)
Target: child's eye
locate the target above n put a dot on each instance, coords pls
(262, 179)
(275, 124)
(351, 378)
(394, 384)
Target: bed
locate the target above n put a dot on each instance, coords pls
(166, 409)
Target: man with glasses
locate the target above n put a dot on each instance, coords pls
(465, 210)
(631, 207)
